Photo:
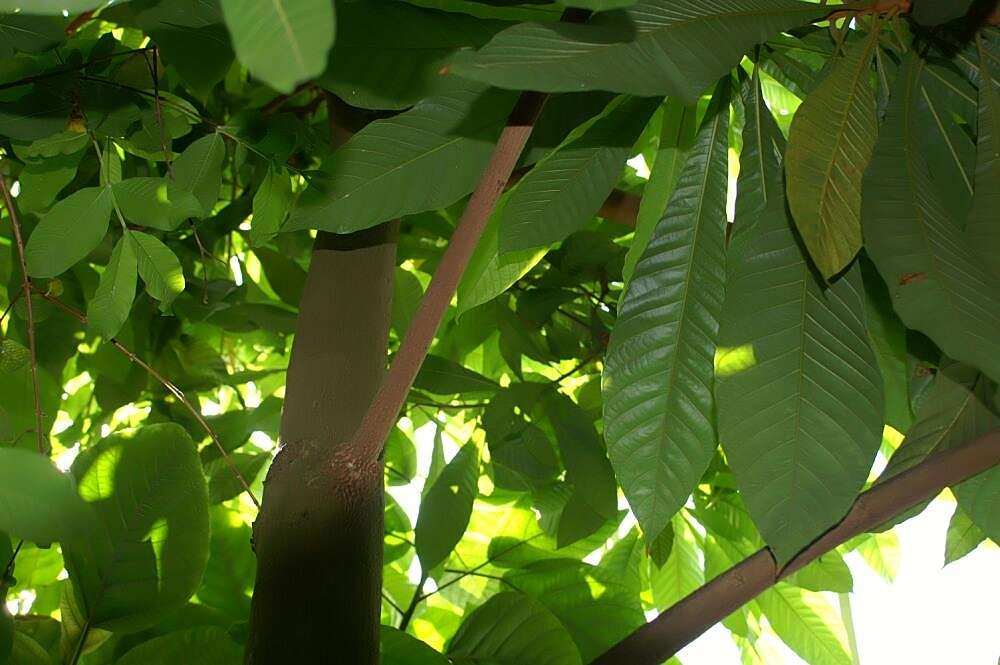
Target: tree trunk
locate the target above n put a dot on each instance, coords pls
(318, 537)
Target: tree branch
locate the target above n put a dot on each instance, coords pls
(8, 201)
(676, 627)
(170, 387)
(382, 414)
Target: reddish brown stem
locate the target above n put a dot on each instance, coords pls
(675, 628)
(8, 201)
(381, 416)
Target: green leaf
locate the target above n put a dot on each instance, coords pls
(400, 457)
(512, 629)
(599, 5)
(798, 387)
(223, 484)
(202, 55)
(446, 508)
(282, 42)
(446, 377)
(963, 536)
(489, 272)
(806, 623)
(829, 145)
(422, 159)
(26, 651)
(14, 356)
(567, 187)
(205, 645)
(271, 203)
(981, 226)
(979, 496)
(159, 268)
(37, 502)
(198, 170)
(108, 310)
(593, 499)
(881, 552)
(69, 231)
(36, 115)
(680, 124)
(929, 12)
(147, 488)
(522, 456)
(888, 339)
(229, 576)
(939, 285)
(389, 55)
(53, 7)
(656, 48)
(399, 648)
(658, 374)
(63, 143)
(155, 202)
(827, 573)
(42, 181)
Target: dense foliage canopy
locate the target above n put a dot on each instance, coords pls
(750, 249)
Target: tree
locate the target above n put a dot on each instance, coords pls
(398, 256)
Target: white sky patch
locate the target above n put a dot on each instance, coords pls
(234, 266)
(641, 167)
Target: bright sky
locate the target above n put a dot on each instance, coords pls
(930, 615)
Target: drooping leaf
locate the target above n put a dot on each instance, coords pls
(798, 387)
(159, 268)
(567, 187)
(109, 308)
(593, 500)
(389, 55)
(938, 283)
(422, 159)
(206, 645)
(198, 170)
(806, 623)
(270, 205)
(282, 42)
(676, 136)
(655, 48)
(963, 536)
(829, 145)
(445, 509)
(981, 226)
(658, 373)
(155, 202)
(147, 488)
(69, 231)
(37, 502)
(827, 573)
(512, 629)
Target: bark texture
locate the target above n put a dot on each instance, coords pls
(318, 537)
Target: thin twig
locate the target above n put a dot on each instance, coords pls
(10, 306)
(475, 570)
(166, 383)
(26, 290)
(27, 80)
(391, 602)
(154, 74)
(417, 597)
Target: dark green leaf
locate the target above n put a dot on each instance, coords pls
(159, 268)
(654, 48)
(112, 301)
(198, 170)
(446, 508)
(399, 648)
(963, 536)
(209, 645)
(446, 377)
(270, 206)
(155, 202)
(658, 377)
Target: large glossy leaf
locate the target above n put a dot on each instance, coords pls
(567, 187)
(799, 390)
(658, 375)
(389, 55)
(679, 125)
(512, 629)
(446, 508)
(70, 230)
(981, 226)
(653, 48)
(938, 282)
(37, 502)
(109, 308)
(149, 492)
(206, 645)
(829, 145)
(422, 159)
(282, 42)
